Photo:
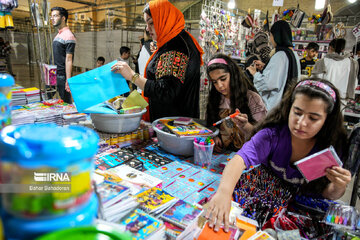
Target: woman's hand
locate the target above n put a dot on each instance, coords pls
(259, 65)
(251, 69)
(124, 69)
(218, 144)
(153, 47)
(218, 210)
(339, 176)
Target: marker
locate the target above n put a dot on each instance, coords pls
(228, 117)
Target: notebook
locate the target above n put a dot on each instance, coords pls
(180, 130)
(209, 233)
(315, 165)
(141, 225)
(155, 200)
(181, 214)
(111, 192)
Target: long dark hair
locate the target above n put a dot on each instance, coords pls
(331, 133)
(281, 32)
(239, 85)
(338, 45)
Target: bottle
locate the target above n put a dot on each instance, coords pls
(6, 82)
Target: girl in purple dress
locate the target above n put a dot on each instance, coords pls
(307, 120)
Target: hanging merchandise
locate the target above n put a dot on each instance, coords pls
(36, 15)
(276, 16)
(248, 21)
(339, 30)
(8, 5)
(356, 30)
(287, 14)
(257, 13)
(327, 15)
(297, 17)
(2, 20)
(220, 32)
(9, 23)
(315, 19)
(266, 22)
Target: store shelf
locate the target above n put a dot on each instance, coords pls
(350, 114)
(301, 50)
(307, 41)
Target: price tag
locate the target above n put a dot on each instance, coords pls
(278, 3)
(356, 30)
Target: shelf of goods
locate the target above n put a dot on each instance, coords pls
(356, 104)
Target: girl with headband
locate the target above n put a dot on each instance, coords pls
(172, 74)
(307, 120)
(232, 91)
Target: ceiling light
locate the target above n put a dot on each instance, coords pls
(352, 1)
(231, 4)
(319, 4)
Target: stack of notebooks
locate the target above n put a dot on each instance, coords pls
(181, 220)
(18, 96)
(155, 200)
(115, 200)
(141, 225)
(22, 116)
(136, 180)
(32, 94)
(39, 112)
(47, 115)
(70, 118)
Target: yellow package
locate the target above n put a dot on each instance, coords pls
(134, 99)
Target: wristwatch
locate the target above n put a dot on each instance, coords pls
(135, 77)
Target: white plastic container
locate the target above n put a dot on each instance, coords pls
(117, 123)
(179, 146)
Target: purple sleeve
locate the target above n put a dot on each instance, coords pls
(258, 149)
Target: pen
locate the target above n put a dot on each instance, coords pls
(228, 117)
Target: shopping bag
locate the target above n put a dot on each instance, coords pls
(49, 72)
(96, 86)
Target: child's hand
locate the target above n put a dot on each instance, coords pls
(241, 120)
(218, 211)
(218, 144)
(339, 176)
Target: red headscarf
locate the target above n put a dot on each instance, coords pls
(168, 22)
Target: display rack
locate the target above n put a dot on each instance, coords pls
(220, 32)
(354, 117)
(300, 45)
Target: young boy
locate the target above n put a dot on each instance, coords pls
(100, 61)
(308, 62)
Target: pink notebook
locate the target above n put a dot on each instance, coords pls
(315, 165)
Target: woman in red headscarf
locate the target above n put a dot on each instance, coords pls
(172, 75)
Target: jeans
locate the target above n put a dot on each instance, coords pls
(64, 95)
